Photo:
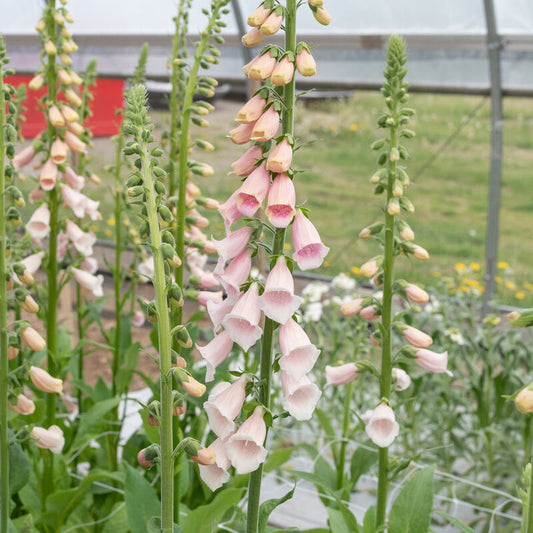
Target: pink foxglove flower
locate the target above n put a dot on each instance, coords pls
(62, 245)
(369, 313)
(281, 201)
(433, 362)
(253, 37)
(209, 296)
(416, 294)
(242, 323)
(39, 224)
(58, 152)
(230, 211)
(280, 157)
(253, 191)
(370, 268)
(83, 242)
(73, 180)
(231, 246)
(259, 16)
(278, 301)
(382, 427)
(48, 176)
(44, 381)
(202, 280)
(215, 475)
(245, 447)
(215, 352)
(75, 143)
(260, 68)
(24, 157)
(305, 63)
(272, 24)
(252, 110)
(74, 200)
(248, 161)
(24, 405)
(283, 73)
(403, 381)
(32, 339)
(417, 338)
(299, 396)
(146, 269)
(298, 353)
(91, 209)
(90, 264)
(309, 250)
(36, 195)
(236, 274)
(49, 439)
(352, 307)
(224, 404)
(241, 134)
(138, 319)
(218, 311)
(340, 375)
(90, 282)
(32, 262)
(266, 126)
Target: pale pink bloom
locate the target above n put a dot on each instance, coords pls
(196, 260)
(91, 209)
(44, 381)
(272, 24)
(298, 353)
(260, 68)
(231, 246)
(266, 126)
(280, 157)
(369, 269)
(309, 250)
(90, 264)
(417, 338)
(374, 342)
(73, 180)
(259, 16)
(251, 110)
(281, 201)
(278, 301)
(433, 362)
(48, 176)
(403, 381)
(32, 262)
(248, 161)
(89, 281)
(74, 142)
(200, 221)
(420, 253)
(33, 340)
(24, 405)
(224, 404)
(24, 157)
(49, 439)
(253, 191)
(340, 375)
(242, 323)
(245, 447)
(36, 195)
(62, 245)
(242, 133)
(365, 417)
(74, 200)
(369, 313)
(230, 211)
(146, 269)
(215, 475)
(138, 319)
(218, 311)
(416, 294)
(209, 296)
(56, 118)
(215, 352)
(299, 396)
(58, 152)
(203, 280)
(83, 242)
(283, 73)
(382, 427)
(352, 307)
(39, 224)
(252, 37)
(236, 273)
(305, 63)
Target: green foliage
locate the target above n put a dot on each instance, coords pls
(141, 501)
(268, 506)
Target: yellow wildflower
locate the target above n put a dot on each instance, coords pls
(498, 279)
(356, 270)
(353, 127)
(459, 266)
(436, 274)
(528, 286)
(510, 285)
(503, 265)
(475, 267)
(520, 295)
(111, 221)
(108, 233)
(327, 263)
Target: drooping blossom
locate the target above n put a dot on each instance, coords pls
(89, 281)
(236, 273)
(39, 224)
(251, 194)
(433, 361)
(309, 250)
(305, 63)
(48, 175)
(261, 67)
(73, 180)
(218, 311)
(299, 396)
(417, 338)
(215, 352)
(224, 404)
(24, 405)
(32, 262)
(283, 72)
(403, 381)
(230, 212)
(352, 307)
(44, 381)
(215, 475)
(382, 427)
(48, 439)
(281, 201)
(298, 353)
(82, 241)
(74, 200)
(231, 246)
(32, 339)
(24, 157)
(266, 126)
(340, 375)
(146, 269)
(248, 161)
(252, 110)
(280, 157)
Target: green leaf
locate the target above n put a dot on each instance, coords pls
(24, 524)
(141, 501)
(369, 521)
(268, 506)
(19, 468)
(411, 511)
(361, 462)
(154, 526)
(457, 523)
(277, 458)
(118, 523)
(323, 470)
(127, 367)
(325, 422)
(205, 518)
(336, 521)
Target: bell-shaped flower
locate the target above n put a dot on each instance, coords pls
(298, 353)
(281, 201)
(215, 352)
(44, 381)
(231, 246)
(352, 307)
(218, 311)
(36, 195)
(209, 296)
(278, 301)
(242, 323)
(224, 404)
(39, 224)
(74, 200)
(309, 250)
(416, 295)
(75, 143)
(403, 381)
(272, 23)
(62, 245)
(280, 157)
(253, 191)
(91, 210)
(32, 262)
(369, 313)
(382, 427)
(48, 439)
(417, 338)
(90, 264)
(433, 361)
(266, 126)
(230, 211)
(261, 67)
(83, 242)
(215, 475)
(146, 269)
(236, 273)
(248, 161)
(33, 339)
(48, 175)
(73, 180)
(283, 72)
(305, 63)
(202, 280)
(299, 396)
(340, 375)
(24, 405)
(24, 157)
(252, 110)
(58, 152)
(252, 37)
(138, 319)
(245, 447)
(242, 133)
(89, 281)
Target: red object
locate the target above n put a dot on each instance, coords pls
(107, 99)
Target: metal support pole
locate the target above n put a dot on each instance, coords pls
(494, 46)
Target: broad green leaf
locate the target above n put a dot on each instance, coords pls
(361, 462)
(154, 526)
(336, 521)
(323, 469)
(268, 506)
(19, 468)
(118, 523)
(411, 511)
(141, 501)
(457, 523)
(369, 521)
(205, 518)
(130, 359)
(24, 524)
(277, 458)
(325, 422)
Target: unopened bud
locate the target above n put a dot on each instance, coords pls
(524, 400)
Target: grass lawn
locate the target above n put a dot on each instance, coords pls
(450, 194)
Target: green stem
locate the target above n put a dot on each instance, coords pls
(4, 368)
(344, 443)
(81, 334)
(529, 516)
(254, 486)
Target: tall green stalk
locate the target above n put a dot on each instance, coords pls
(530, 492)
(254, 486)
(345, 429)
